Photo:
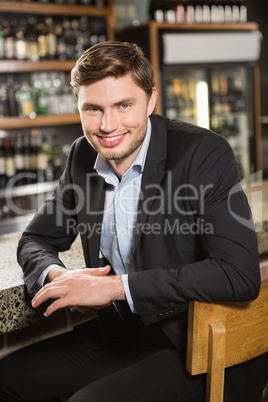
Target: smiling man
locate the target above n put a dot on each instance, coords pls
(160, 228)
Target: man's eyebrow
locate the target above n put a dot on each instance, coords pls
(124, 100)
(86, 105)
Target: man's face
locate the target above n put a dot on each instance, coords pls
(114, 114)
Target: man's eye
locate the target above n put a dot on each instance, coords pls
(125, 105)
(92, 109)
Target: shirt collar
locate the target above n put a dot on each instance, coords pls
(103, 167)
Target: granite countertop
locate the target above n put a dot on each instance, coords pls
(16, 311)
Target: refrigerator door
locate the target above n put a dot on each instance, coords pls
(218, 97)
(186, 95)
(232, 112)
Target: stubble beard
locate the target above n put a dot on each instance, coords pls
(112, 155)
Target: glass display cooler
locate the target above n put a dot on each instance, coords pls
(208, 79)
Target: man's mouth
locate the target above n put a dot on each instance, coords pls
(112, 138)
(111, 141)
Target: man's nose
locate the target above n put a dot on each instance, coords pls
(109, 122)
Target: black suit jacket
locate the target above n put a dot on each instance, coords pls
(194, 235)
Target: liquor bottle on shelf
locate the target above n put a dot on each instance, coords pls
(41, 157)
(25, 99)
(51, 38)
(171, 102)
(11, 96)
(19, 161)
(31, 35)
(8, 40)
(33, 154)
(61, 42)
(41, 94)
(56, 157)
(9, 151)
(177, 89)
(2, 165)
(42, 42)
(3, 100)
(27, 160)
(2, 42)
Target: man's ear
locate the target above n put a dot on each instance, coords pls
(152, 102)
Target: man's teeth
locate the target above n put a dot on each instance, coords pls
(113, 138)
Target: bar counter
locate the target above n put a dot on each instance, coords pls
(16, 311)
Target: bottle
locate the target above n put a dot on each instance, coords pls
(41, 157)
(2, 165)
(33, 154)
(2, 43)
(3, 100)
(171, 103)
(243, 13)
(177, 88)
(225, 105)
(19, 160)
(11, 96)
(42, 104)
(8, 40)
(70, 39)
(51, 39)
(21, 46)
(83, 40)
(27, 160)
(42, 32)
(25, 100)
(56, 157)
(56, 101)
(61, 43)
(10, 169)
(32, 39)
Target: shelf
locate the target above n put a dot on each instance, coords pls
(15, 123)
(53, 9)
(249, 26)
(16, 66)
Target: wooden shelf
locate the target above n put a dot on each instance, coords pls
(16, 66)
(249, 26)
(16, 123)
(53, 9)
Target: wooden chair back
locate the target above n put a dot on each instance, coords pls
(224, 334)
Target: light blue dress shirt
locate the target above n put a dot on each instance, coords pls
(120, 215)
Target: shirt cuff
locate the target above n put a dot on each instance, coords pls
(41, 279)
(128, 294)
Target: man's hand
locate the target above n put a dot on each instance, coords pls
(88, 287)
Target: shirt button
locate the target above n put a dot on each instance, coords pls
(129, 262)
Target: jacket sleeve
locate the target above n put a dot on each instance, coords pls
(49, 233)
(229, 269)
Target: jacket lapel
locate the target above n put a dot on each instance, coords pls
(154, 171)
(95, 216)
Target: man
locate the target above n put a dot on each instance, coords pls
(162, 221)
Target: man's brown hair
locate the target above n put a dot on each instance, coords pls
(113, 59)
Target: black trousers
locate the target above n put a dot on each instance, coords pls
(128, 365)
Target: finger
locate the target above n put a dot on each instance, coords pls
(99, 271)
(56, 305)
(48, 292)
